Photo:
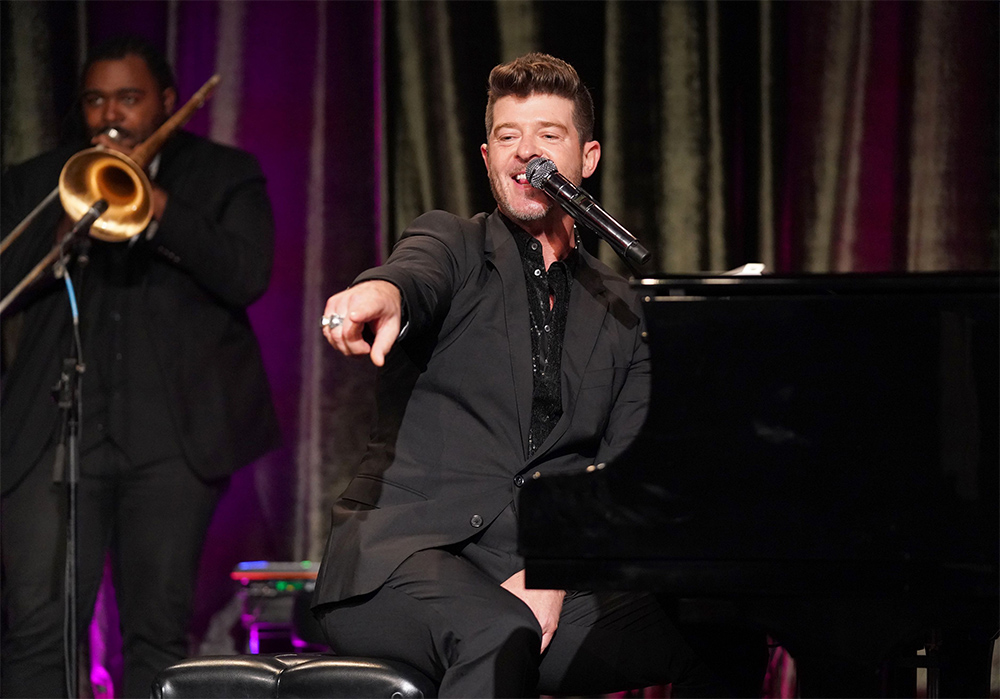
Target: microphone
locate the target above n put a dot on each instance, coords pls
(87, 220)
(543, 175)
(78, 236)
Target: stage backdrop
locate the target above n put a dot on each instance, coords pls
(810, 136)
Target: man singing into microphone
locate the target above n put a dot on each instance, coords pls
(507, 353)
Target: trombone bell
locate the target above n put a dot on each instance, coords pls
(99, 173)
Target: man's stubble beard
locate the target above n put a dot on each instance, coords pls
(502, 198)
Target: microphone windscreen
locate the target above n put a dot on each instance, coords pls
(538, 170)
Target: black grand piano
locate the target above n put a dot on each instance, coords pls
(820, 460)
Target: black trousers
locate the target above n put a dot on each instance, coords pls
(152, 516)
(445, 617)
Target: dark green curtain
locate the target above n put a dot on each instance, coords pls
(812, 136)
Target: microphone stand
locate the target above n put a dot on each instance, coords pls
(68, 395)
(58, 252)
(66, 469)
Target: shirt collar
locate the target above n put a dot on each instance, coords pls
(523, 241)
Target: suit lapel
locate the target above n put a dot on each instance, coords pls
(173, 165)
(507, 262)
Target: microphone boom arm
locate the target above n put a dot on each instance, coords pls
(543, 175)
(584, 209)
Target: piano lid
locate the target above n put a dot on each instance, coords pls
(829, 422)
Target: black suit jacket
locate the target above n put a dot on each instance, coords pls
(446, 456)
(211, 257)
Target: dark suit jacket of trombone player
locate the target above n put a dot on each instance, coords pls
(194, 297)
(447, 455)
(204, 401)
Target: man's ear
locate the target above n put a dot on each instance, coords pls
(169, 97)
(591, 156)
(485, 150)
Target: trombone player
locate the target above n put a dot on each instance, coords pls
(174, 392)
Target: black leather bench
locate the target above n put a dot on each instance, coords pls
(299, 675)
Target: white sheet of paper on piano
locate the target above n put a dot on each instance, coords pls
(750, 269)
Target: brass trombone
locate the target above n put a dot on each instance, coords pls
(120, 180)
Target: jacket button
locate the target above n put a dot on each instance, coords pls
(518, 481)
(476, 521)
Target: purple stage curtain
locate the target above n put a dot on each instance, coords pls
(299, 90)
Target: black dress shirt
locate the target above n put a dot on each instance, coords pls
(548, 303)
(124, 394)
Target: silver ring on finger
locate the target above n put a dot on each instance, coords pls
(332, 321)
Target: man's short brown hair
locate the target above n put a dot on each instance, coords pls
(539, 73)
